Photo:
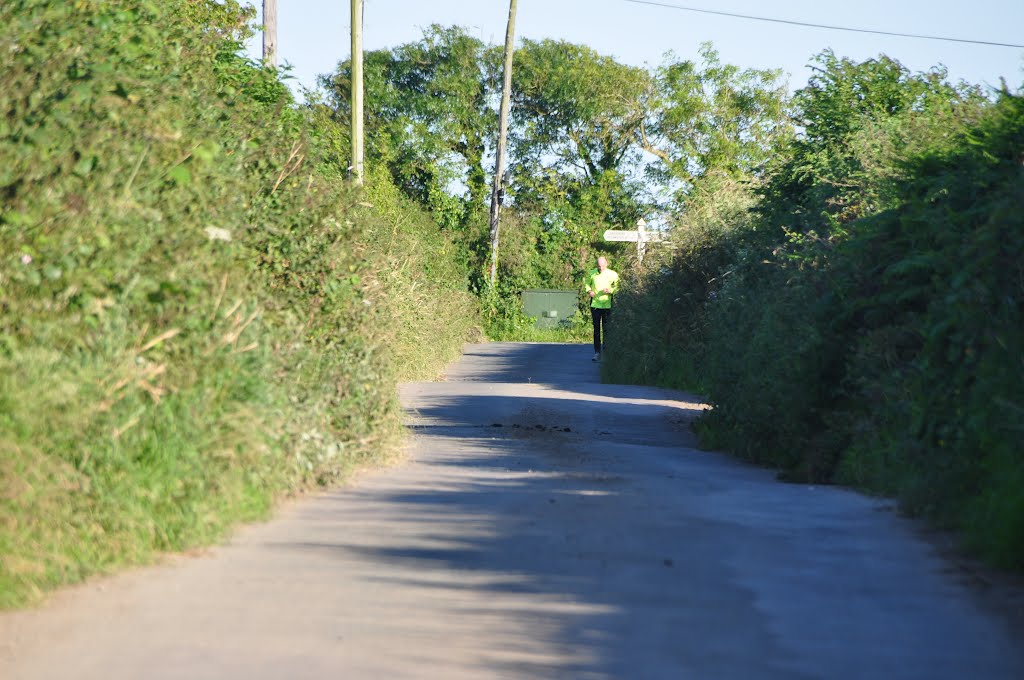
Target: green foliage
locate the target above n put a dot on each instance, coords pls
(661, 316)
(505, 320)
(575, 110)
(582, 131)
(428, 122)
(420, 282)
(573, 152)
(711, 119)
(863, 324)
(861, 122)
(427, 113)
(939, 281)
(503, 315)
(196, 316)
(535, 256)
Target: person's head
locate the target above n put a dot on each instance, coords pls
(602, 263)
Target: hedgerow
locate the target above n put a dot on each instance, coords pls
(862, 324)
(197, 313)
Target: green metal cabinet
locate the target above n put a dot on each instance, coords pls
(550, 307)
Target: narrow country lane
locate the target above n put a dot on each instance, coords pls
(544, 526)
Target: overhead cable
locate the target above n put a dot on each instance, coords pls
(825, 26)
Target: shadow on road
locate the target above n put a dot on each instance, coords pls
(548, 511)
(579, 520)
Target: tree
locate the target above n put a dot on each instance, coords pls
(427, 113)
(711, 118)
(858, 120)
(576, 110)
(593, 143)
(574, 158)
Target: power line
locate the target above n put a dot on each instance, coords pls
(832, 28)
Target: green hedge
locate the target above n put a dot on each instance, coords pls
(196, 314)
(863, 324)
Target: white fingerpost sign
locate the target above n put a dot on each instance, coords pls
(640, 236)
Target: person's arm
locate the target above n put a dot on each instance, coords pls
(614, 287)
(590, 285)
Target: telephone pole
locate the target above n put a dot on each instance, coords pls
(357, 91)
(270, 33)
(498, 191)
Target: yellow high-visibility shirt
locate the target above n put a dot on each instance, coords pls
(597, 281)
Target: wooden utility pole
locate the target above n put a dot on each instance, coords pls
(270, 32)
(497, 191)
(357, 91)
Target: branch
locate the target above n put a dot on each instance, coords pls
(646, 145)
(583, 153)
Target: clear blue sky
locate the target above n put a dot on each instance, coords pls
(313, 35)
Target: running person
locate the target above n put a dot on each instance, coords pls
(602, 283)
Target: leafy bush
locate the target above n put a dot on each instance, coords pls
(421, 281)
(530, 256)
(196, 315)
(661, 314)
(938, 282)
(863, 324)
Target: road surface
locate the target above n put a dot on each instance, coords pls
(543, 526)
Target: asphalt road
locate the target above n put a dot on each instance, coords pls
(543, 526)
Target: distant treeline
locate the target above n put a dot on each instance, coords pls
(593, 145)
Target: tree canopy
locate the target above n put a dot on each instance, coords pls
(594, 143)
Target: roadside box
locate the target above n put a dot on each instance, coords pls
(550, 307)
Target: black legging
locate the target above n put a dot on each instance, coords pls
(601, 318)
